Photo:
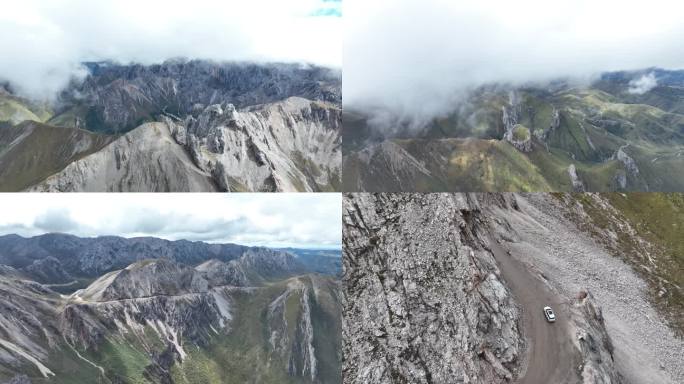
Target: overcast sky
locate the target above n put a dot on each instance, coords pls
(413, 57)
(305, 220)
(42, 42)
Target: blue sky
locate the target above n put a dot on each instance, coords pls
(331, 8)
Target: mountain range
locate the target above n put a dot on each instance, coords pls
(451, 287)
(608, 135)
(177, 126)
(147, 310)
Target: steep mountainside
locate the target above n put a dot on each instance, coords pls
(31, 151)
(14, 109)
(116, 98)
(146, 159)
(450, 288)
(559, 137)
(180, 126)
(159, 321)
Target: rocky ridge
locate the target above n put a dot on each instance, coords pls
(291, 145)
(168, 131)
(166, 313)
(418, 266)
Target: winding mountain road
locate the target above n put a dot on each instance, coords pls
(550, 353)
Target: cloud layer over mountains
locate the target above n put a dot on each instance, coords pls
(277, 220)
(43, 42)
(412, 59)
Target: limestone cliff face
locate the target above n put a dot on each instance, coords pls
(297, 346)
(27, 332)
(424, 301)
(291, 145)
(433, 294)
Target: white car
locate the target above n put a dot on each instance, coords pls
(550, 316)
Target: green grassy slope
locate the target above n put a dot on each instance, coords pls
(244, 354)
(30, 152)
(15, 110)
(593, 125)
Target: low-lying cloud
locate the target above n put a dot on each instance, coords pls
(643, 84)
(43, 42)
(412, 60)
(275, 220)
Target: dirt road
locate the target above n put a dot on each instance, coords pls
(550, 353)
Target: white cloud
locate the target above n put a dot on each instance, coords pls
(43, 41)
(413, 58)
(278, 220)
(643, 84)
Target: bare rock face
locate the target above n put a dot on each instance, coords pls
(290, 145)
(518, 135)
(252, 268)
(218, 273)
(146, 159)
(27, 332)
(630, 168)
(577, 184)
(423, 299)
(189, 315)
(173, 299)
(298, 347)
(144, 279)
(431, 296)
(593, 341)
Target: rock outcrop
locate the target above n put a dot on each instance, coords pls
(518, 135)
(596, 346)
(577, 184)
(218, 273)
(290, 145)
(435, 293)
(424, 302)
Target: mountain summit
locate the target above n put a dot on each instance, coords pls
(178, 126)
